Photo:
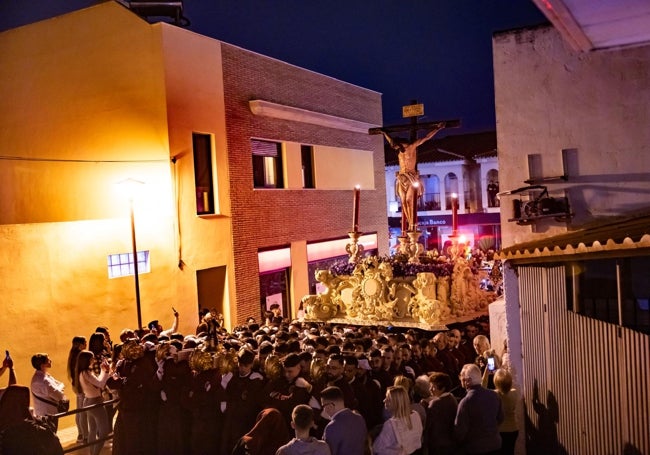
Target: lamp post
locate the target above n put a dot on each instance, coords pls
(131, 185)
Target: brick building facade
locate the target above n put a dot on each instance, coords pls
(99, 95)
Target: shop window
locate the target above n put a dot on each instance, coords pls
(273, 291)
(202, 149)
(267, 164)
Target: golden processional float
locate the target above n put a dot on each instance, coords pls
(427, 291)
(414, 287)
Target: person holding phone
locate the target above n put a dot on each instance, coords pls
(488, 361)
(155, 327)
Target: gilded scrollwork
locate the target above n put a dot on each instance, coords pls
(371, 293)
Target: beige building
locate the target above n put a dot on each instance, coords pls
(248, 165)
(576, 287)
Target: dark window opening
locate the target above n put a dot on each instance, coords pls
(267, 164)
(593, 291)
(202, 149)
(307, 155)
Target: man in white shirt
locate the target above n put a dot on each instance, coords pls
(47, 391)
(155, 327)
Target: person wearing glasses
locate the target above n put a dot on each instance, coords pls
(346, 433)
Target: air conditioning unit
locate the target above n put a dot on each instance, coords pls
(527, 211)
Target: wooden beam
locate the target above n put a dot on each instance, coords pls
(417, 126)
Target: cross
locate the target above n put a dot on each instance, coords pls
(408, 186)
(413, 127)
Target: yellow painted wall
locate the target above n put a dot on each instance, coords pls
(193, 75)
(86, 98)
(338, 168)
(299, 281)
(292, 162)
(83, 86)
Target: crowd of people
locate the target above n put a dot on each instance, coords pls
(278, 387)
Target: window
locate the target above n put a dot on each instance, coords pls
(593, 291)
(267, 164)
(307, 155)
(451, 186)
(202, 149)
(431, 197)
(273, 290)
(493, 188)
(122, 264)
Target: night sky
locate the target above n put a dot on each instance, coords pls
(436, 51)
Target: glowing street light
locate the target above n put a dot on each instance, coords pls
(131, 187)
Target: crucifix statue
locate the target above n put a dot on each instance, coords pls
(407, 182)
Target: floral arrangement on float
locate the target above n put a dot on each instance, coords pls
(395, 290)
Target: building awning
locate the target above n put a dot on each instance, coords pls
(630, 232)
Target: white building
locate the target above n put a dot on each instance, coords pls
(464, 165)
(576, 287)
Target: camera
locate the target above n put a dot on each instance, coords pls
(491, 366)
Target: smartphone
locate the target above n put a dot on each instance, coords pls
(490, 364)
(7, 356)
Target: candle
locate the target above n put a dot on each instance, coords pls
(355, 209)
(454, 213)
(414, 224)
(206, 202)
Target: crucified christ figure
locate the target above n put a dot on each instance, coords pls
(407, 183)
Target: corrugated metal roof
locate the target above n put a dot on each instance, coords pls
(628, 232)
(588, 24)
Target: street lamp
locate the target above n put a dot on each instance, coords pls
(131, 187)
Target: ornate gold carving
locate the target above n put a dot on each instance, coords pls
(372, 295)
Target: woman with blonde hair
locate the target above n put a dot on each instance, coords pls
(402, 433)
(509, 398)
(408, 385)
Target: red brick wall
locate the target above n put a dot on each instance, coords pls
(265, 218)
